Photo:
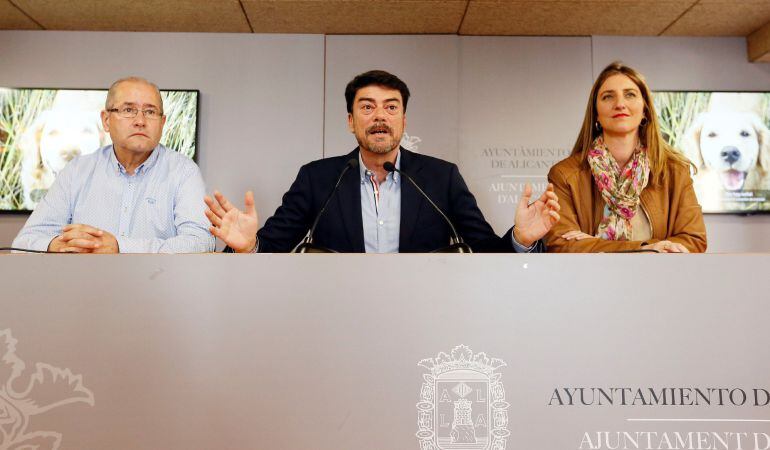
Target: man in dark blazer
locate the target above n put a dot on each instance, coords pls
(375, 210)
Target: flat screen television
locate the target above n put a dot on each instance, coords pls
(42, 129)
(726, 136)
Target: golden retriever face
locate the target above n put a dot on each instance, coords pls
(733, 145)
(67, 134)
(50, 143)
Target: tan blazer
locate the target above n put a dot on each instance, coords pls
(672, 209)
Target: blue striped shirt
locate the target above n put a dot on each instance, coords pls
(158, 209)
(381, 212)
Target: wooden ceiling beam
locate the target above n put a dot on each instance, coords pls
(571, 17)
(721, 18)
(12, 18)
(355, 16)
(758, 44)
(464, 17)
(223, 16)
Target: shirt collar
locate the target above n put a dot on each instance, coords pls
(144, 167)
(395, 176)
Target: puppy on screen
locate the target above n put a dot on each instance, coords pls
(730, 146)
(71, 127)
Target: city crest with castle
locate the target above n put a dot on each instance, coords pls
(462, 402)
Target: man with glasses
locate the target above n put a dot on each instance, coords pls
(134, 196)
(376, 210)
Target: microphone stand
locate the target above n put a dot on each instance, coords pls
(456, 244)
(306, 245)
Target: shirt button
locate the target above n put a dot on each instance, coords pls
(382, 223)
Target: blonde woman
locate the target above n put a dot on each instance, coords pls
(624, 188)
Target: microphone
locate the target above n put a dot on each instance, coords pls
(306, 245)
(456, 242)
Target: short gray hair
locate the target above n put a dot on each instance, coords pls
(114, 87)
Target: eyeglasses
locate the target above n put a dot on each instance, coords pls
(129, 112)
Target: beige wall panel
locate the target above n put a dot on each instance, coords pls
(427, 64)
(355, 16)
(13, 19)
(521, 102)
(758, 44)
(570, 18)
(138, 15)
(722, 18)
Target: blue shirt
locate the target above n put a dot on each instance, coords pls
(158, 209)
(380, 213)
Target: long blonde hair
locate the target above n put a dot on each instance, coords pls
(658, 150)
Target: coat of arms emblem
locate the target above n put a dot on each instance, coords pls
(462, 402)
(43, 388)
(410, 142)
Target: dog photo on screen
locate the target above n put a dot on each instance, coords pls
(726, 137)
(41, 130)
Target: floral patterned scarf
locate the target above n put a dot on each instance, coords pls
(620, 190)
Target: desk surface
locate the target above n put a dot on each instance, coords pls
(323, 351)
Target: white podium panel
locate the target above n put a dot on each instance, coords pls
(549, 352)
